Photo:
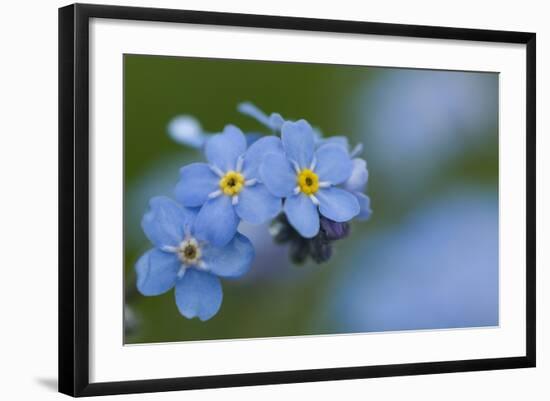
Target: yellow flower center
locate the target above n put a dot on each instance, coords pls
(189, 251)
(232, 183)
(308, 182)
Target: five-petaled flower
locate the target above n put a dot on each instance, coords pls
(228, 188)
(357, 181)
(307, 177)
(181, 258)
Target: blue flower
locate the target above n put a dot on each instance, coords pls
(356, 184)
(307, 178)
(228, 188)
(179, 259)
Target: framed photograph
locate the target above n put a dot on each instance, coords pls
(250, 199)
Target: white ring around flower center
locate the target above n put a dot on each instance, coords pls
(189, 252)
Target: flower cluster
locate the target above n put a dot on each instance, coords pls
(307, 186)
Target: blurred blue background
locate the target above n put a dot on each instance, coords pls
(428, 257)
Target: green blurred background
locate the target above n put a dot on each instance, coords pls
(431, 143)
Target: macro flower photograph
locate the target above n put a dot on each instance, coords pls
(266, 199)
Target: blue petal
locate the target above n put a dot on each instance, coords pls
(256, 153)
(252, 137)
(223, 149)
(198, 294)
(257, 205)
(364, 205)
(165, 221)
(231, 261)
(357, 181)
(217, 221)
(156, 272)
(333, 164)
(186, 130)
(317, 136)
(276, 121)
(277, 174)
(336, 140)
(196, 181)
(298, 142)
(337, 204)
(302, 215)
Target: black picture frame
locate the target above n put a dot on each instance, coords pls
(74, 198)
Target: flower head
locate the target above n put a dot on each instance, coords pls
(182, 261)
(228, 187)
(357, 181)
(307, 177)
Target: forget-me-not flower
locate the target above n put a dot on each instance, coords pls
(307, 178)
(228, 187)
(357, 181)
(182, 261)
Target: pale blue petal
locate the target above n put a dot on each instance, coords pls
(224, 149)
(333, 164)
(337, 204)
(231, 261)
(357, 181)
(186, 130)
(256, 153)
(298, 142)
(165, 221)
(196, 181)
(257, 205)
(252, 137)
(198, 294)
(302, 215)
(317, 136)
(156, 272)
(276, 121)
(217, 221)
(336, 140)
(277, 174)
(364, 206)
